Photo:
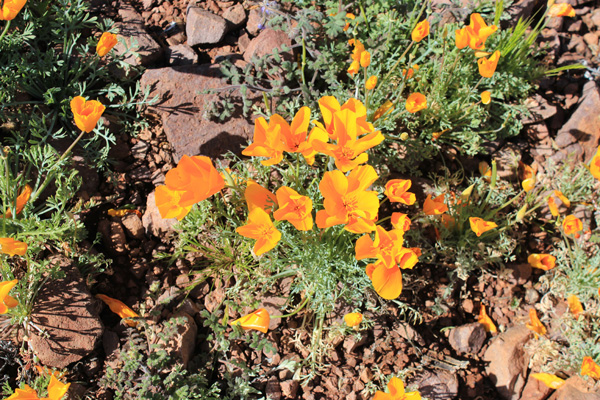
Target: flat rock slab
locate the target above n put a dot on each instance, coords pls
(204, 27)
(575, 388)
(581, 133)
(65, 310)
(182, 105)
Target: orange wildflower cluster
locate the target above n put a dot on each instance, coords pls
(475, 35)
(56, 391)
(387, 248)
(10, 8)
(119, 308)
(396, 392)
(360, 56)
(575, 305)
(258, 320)
(346, 125)
(193, 180)
(105, 44)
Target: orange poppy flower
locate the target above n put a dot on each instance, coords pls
(10, 9)
(365, 59)
(56, 389)
(590, 368)
(420, 31)
(168, 202)
(550, 380)
(595, 164)
(536, 325)
(267, 141)
(400, 221)
(574, 305)
(388, 105)
(86, 113)
(479, 226)
(561, 10)
(416, 102)
(197, 177)
(106, 43)
(258, 197)
(563, 198)
(347, 201)
(485, 170)
(396, 392)
(527, 175)
(295, 208)
(349, 150)
(6, 300)
(486, 97)
(434, 206)
(258, 320)
(386, 246)
(119, 308)
(486, 321)
(261, 228)
(357, 52)
(542, 261)
(407, 258)
(387, 282)
(553, 207)
(12, 247)
(348, 16)
(397, 191)
(475, 34)
(22, 199)
(353, 319)
(294, 136)
(329, 106)
(572, 225)
(371, 82)
(487, 67)
(27, 393)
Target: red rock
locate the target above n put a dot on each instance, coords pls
(132, 31)
(467, 339)
(153, 223)
(575, 388)
(581, 133)
(267, 41)
(68, 315)
(535, 390)
(539, 108)
(508, 362)
(182, 105)
(437, 385)
(235, 15)
(204, 27)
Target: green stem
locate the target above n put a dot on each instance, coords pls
(494, 212)
(385, 78)
(5, 30)
(362, 10)
(296, 311)
(50, 175)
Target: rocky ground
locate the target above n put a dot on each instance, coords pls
(181, 46)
